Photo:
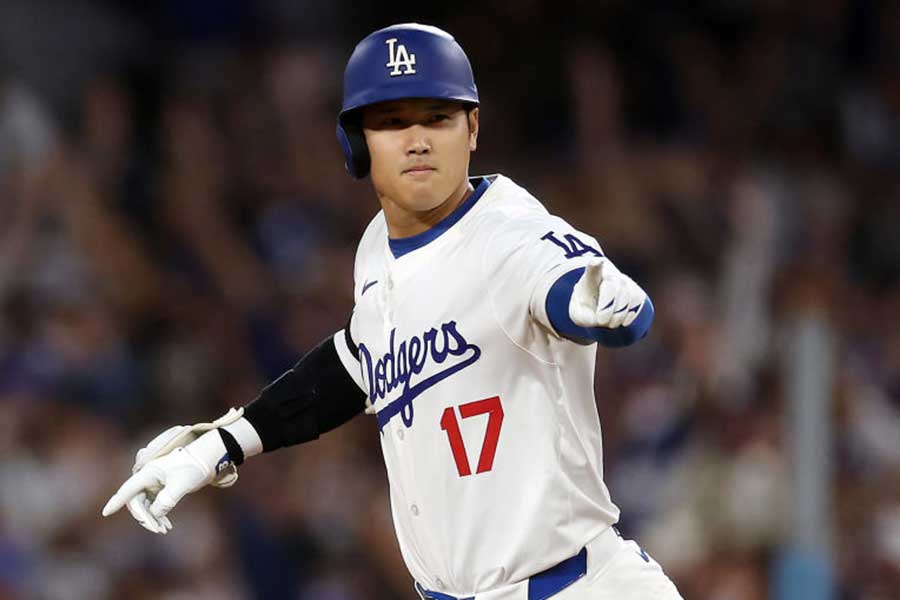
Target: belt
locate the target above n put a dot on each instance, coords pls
(540, 586)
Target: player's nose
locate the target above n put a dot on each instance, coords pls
(418, 142)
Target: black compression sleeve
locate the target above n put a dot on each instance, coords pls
(315, 396)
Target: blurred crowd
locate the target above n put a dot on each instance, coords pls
(176, 229)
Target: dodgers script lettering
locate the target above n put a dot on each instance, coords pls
(403, 364)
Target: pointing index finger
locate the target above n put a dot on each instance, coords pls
(135, 484)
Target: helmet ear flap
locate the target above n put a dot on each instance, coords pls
(356, 152)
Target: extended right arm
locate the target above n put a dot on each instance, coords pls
(318, 394)
(322, 391)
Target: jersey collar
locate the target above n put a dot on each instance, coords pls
(401, 246)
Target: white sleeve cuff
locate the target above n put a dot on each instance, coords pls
(246, 437)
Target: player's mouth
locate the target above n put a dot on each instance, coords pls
(419, 170)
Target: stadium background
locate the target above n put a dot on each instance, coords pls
(176, 228)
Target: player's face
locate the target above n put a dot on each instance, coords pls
(420, 150)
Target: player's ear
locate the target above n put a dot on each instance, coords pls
(472, 115)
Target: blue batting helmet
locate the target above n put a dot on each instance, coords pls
(401, 61)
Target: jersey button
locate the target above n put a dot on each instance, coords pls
(438, 582)
(414, 509)
(400, 434)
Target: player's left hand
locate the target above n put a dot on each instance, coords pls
(605, 297)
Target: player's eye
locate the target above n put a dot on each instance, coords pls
(391, 122)
(438, 117)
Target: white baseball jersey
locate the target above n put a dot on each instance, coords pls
(487, 418)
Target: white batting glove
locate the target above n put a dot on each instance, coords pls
(157, 486)
(182, 435)
(605, 297)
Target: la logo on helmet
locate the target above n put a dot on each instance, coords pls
(399, 58)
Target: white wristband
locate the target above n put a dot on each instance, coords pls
(246, 437)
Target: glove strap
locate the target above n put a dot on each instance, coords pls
(189, 433)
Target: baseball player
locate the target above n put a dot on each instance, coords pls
(471, 346)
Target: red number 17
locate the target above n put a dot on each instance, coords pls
(450, 424)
